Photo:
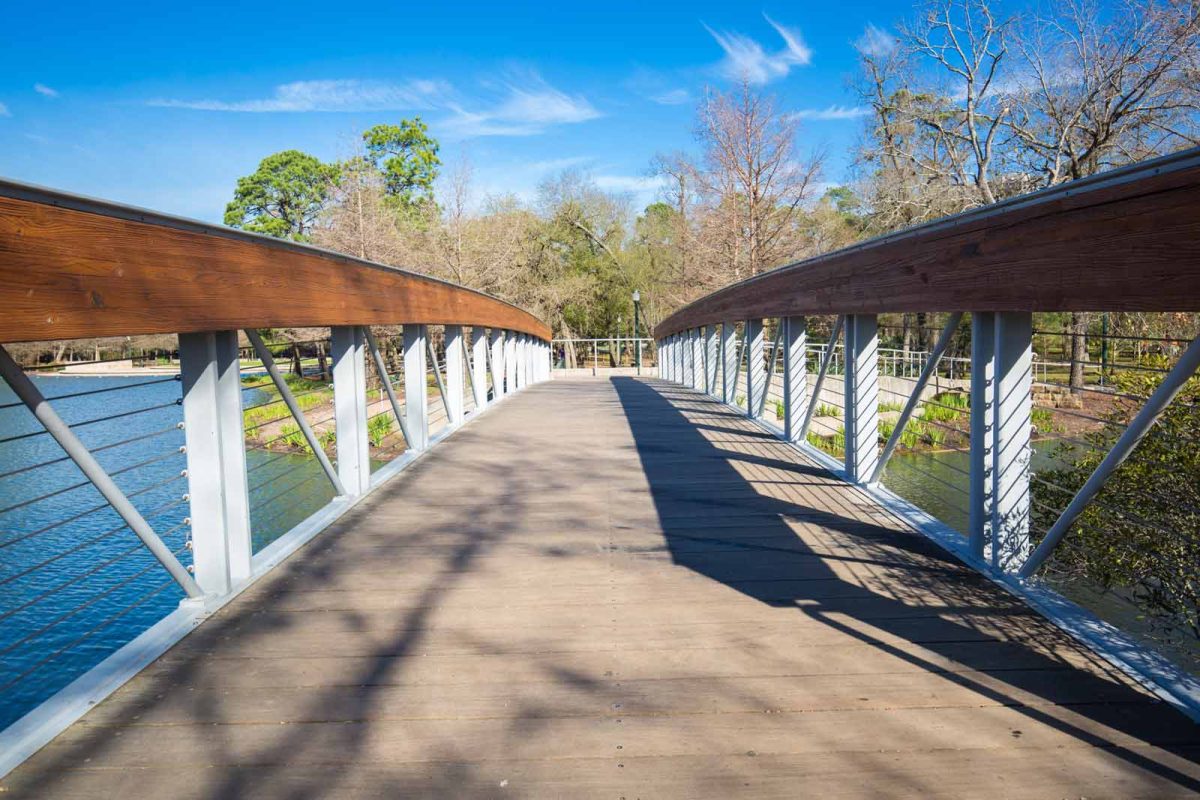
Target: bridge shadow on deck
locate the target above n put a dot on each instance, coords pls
(742, 517)
(463, 633)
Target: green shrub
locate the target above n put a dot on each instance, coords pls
(778, 409)
(834, 444)
(1140, 538)
(379, 428)
(291, 435)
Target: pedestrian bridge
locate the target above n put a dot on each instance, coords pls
(620, 588)
(626, 586)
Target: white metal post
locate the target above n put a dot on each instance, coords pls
(523, 361)
(711, 359)
(687, 359)
(350, 408)
(697, 345)
(454, 374)
(681, 357)
(497, 343)
(861, 396)
(1011, 445)
(756, 377)
(216, 460)
(795, 376)
(479, 358)
(416, 400)
(677, 357)
(983, 395)
(510, 362)
(729, 362)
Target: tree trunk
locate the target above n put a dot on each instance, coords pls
(322, 365)
(1079, 355)
(297, 366)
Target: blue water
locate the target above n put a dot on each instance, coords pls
(75, 583)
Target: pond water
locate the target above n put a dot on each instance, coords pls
(75, 583)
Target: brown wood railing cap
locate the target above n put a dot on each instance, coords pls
(74, 267)
(1125, 240)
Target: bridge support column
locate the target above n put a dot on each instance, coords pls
(350, 407)
(685, 357)
(711, 359)
(729, 362)
(795, 376)
(416, 400)
(983, 412)
(861, 396)
(515, 356)
(496, 337)
(454, 374)
(479, 358)
(1011, 444)
(756, 367)
(681, 357)
(677, 358)
(697, 346)
(510, 362)
(216, 459)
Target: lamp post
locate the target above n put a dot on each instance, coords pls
(637, 342)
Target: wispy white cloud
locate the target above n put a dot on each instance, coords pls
(556, 164)
(638, 184)
(875, 41)
(4, 112)
(746, 59)
(657, 86)
(832, 112)
(328, 95)
(527, 105)
(673, 97)
(45, 90)
(521, 106)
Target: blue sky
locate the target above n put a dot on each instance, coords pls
(165, 105)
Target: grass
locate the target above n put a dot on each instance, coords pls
(379, 428)
(778, 409)
(824, 410)
(1043, 421)
(835, 445)
(888, 405)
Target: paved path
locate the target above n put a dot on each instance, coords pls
(617, 588)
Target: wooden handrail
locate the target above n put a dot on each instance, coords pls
(1126, 240)
(72, 267)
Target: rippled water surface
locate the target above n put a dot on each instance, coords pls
(76, 583)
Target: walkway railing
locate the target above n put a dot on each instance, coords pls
(1127, 241)
(133, 506)
(599, 355)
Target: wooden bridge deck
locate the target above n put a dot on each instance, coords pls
(618, 588)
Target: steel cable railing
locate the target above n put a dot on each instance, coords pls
(75, 583)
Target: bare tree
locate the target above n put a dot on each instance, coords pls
(1104, 89)
(753, 181)
(358, 220)
(1101, 90)
(966, 44)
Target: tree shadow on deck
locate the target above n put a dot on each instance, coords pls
(763, 522)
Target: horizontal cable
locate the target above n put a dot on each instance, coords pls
(82, 484)
(279, 475)
(1122, 337)
(103, 390)
(92, 510)
(85, 423)
(89, 634)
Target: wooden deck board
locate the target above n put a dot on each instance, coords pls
(584, 594)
